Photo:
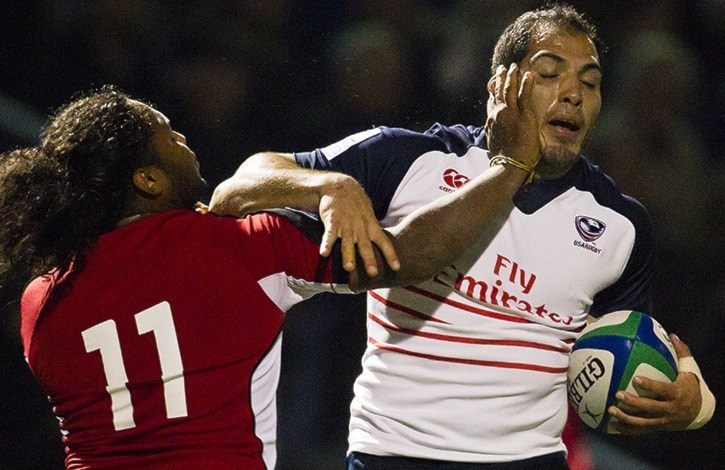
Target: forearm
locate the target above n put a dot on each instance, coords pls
(271, 180)
(437, 234)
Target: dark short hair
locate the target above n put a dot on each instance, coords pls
(512, 45)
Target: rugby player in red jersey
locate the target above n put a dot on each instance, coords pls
(155, 329)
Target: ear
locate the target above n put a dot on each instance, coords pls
(148, 180)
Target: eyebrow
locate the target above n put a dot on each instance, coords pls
(559, 59)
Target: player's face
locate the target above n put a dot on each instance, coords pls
(178, 161)
(566, 95)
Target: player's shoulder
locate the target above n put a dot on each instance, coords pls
(181, 227)
(288, 219)
(439, 137)
(263, 225)
(385, 145)
(386, 140)
(458, 137)
(607, 192)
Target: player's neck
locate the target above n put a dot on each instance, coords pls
(138, 208)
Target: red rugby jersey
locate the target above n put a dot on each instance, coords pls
(163, 350)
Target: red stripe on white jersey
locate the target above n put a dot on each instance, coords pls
(474, 362)
(465, 339)
(467, 308)
(404, 309)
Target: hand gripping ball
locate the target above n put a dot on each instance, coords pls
(605, 358)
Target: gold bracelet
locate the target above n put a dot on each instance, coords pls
(502, 160)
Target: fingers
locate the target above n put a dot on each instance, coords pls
(511, 86)
(663, 405)
(657, 389)
(498, 84)
(637, 415)
(367, 254)
(681, 348)
(524, 97)
(328, 240)
(650, 388)
(347, 248)
(364, 247)
(505, 85)
(386, 247)
(359, 240)
(630, 424)
(348, 216)
(201, 208)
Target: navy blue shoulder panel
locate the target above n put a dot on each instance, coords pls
(381, 160)
(631, 291)
(457, 138)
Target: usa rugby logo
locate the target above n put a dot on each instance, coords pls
(589, 228)
(453, 179)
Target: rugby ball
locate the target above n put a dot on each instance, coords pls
(605, 358)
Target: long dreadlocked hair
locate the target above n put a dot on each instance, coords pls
(58, 198)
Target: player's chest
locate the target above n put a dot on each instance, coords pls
(560, 255)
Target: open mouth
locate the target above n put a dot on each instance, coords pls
(570, 125)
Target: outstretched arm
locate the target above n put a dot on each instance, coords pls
(269, 180)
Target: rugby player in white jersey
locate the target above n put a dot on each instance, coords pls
(469, 369)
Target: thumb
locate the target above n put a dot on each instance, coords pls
(201, 208)
(681, 348)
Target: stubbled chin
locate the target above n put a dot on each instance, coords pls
(556, 159)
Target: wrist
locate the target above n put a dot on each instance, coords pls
(336, 184)
(707, 406)
(504, 160)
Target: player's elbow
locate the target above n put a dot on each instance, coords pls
(228, 198)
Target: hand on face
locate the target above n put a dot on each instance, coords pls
(565, 96)
(511, 128)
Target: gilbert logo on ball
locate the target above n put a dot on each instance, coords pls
(607, 355)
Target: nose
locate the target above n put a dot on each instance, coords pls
(180, 137)
(571, 92)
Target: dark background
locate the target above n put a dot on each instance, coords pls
(238, 77)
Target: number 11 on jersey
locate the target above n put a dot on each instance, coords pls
(103, 337)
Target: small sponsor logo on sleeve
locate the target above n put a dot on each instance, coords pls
(453, 180)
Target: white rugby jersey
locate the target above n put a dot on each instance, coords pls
(471, 365)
